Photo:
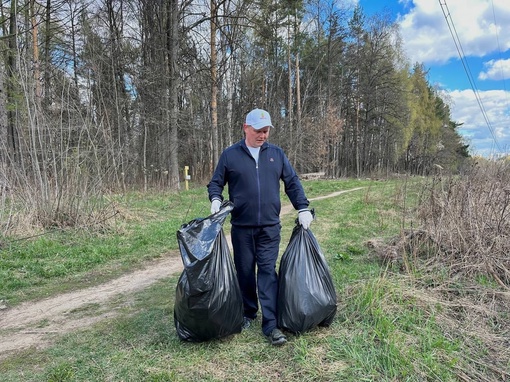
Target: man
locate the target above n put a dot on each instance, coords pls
(253, 168)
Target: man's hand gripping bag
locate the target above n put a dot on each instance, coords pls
(306, 295)
(208, 303)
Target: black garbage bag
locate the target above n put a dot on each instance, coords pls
(208, 303)
(306, 295)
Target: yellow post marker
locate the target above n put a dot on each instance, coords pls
(186, 176)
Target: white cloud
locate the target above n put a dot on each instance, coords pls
(496, 70)
(489, 131)
(482, 27)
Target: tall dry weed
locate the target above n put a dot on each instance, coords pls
(69, 196)
(459, 260)
(469, 220)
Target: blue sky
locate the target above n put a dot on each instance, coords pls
(477, 87)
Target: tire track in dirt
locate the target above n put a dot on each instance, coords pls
(36, 323)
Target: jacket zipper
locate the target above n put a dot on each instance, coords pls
(259, 213)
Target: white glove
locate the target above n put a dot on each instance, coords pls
(215, 206)
(305, 218)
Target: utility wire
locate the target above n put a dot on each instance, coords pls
(458, 45)
(501, 69)
(503, 78)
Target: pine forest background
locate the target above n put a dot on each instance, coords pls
(112, 95)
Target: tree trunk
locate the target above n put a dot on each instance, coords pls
(299, 143)
(214, 87)
(12, 136)
(173, 46)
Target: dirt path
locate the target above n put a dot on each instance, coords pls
(35, 324)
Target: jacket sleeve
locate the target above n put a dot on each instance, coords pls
(293, 187)
(219, 179)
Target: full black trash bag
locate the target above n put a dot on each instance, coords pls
(306, 295)
(208, 303)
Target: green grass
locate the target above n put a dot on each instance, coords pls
(61, 260)
(382, 331)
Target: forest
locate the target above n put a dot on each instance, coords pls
(116, 95)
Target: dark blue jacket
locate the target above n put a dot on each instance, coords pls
(255, 190)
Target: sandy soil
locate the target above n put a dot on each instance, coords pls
(38, 323)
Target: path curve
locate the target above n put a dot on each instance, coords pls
(35, 324)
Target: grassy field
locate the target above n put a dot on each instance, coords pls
(389, 326)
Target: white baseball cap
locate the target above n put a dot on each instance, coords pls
(258, 119)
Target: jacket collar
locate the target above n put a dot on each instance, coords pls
(242, 142)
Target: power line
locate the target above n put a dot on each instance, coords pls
(458, 45)
(499, 50)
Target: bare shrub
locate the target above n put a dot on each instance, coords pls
(54, 185)
(464, 227)
(460, 265)
(72, 201)
(468, 219)
(58, 166)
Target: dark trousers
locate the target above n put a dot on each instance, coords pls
(255, 254)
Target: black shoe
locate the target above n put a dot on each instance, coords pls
(246, 323)
(277, 338)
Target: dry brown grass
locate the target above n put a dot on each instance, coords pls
(459, 261)
(469, 219)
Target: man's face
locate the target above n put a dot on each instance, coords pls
(255, 138)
